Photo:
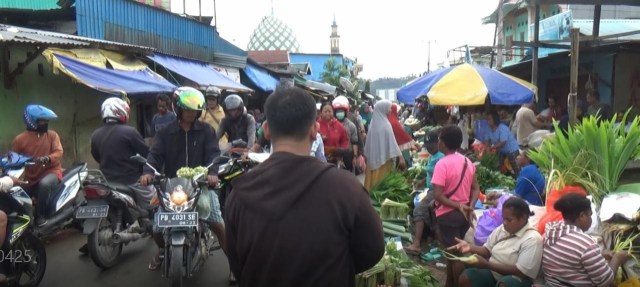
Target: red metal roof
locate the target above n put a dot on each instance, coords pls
(269, 57)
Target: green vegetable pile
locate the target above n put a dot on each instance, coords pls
(488, 178)
(188, 172)
(393, 187)
(417, 171)
(393, 210)
(393, 265)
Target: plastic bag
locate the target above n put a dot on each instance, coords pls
(552, 214)
(489, 221)
(204, 203)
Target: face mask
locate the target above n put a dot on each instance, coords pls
(42, 128)
(340, 115)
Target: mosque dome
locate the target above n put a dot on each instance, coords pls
(273, 34)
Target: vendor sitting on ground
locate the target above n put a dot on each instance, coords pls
(501, 139)
(570, 256)
(423, 214)
(530, 182)
(514, 250)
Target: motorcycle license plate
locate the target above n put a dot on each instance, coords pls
(185, 219)
(92, 211)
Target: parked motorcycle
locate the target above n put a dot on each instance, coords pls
(64, 201)
(188, 239)
(112, 217)
(26, 260)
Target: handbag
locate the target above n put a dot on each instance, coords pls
(436, 204)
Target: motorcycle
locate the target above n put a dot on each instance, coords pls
(26, 260)
(188, 238)
(236, 165)
(111, 217)
(59, 212)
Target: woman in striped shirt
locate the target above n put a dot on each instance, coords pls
(570, 256)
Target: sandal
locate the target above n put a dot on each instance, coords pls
(155, 263)
(411, 251)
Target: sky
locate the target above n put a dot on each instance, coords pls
(389, 38)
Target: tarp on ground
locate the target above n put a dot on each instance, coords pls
(200, 72)
(263, 80)
(112, 81)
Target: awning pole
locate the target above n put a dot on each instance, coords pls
(536, 34)
(573, 88)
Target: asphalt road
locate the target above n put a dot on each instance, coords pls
(67, 268)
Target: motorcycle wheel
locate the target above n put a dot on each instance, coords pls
(103, 253)
(30, 272)
(175, 266)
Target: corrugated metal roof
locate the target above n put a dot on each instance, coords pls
(29, 4)
(610, 27)
(41, 36)
(18, 35)
(139, 24)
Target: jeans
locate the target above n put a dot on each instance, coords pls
(42, 191)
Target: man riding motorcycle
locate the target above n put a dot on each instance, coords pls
(45, 147)
(213, 113)
(237, 123)
(200, 148)
(114, 143)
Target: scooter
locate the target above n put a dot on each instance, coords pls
(64, 201)
(188, 238)
(26, 260)
(112, 217)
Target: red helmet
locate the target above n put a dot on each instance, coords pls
(340, 102)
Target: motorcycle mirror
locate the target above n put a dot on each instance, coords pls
(138, 158)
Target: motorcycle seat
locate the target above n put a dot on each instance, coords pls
(119, 187)
(73, 171)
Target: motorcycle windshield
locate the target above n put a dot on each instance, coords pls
(179, 183)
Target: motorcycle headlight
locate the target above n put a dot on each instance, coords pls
(178, 201)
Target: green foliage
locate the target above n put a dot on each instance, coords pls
(393, 187)
(593, 154)
(333, 71)
(488, 178)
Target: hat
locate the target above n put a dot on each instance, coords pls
(431, 138)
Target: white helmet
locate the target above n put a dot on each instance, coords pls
(115, 108)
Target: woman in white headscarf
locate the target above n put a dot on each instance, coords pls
(381, 148)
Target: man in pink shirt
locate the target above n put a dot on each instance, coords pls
(455, 191)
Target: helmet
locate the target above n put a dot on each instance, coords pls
(115, 108)
(33, 113)
(212, 92)
(188, 98)
(232, 102)
(340, 102)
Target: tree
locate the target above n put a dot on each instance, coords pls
(333, 71)
(367, 87)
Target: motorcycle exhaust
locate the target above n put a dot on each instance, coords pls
(125, 237)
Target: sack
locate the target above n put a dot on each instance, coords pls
(489, 221)
(204, 203)
(552, 214)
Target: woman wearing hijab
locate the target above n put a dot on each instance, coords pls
(403, 139)
(381, 148)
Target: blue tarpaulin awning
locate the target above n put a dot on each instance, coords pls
(114, 81)
(200, 72)
(260, 78)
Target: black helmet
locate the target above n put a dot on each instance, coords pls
(212, 92)
(232, 102)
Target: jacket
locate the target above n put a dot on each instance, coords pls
(33, 144)
(296, 221)
(174, 148)
(112, 145)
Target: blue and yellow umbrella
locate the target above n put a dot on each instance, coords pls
(469, 85)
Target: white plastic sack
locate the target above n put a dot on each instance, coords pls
(625, 204)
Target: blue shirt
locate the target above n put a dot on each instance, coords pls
(503, 134)
(481, 130)
(159, 121)
(431, 165)
(530, 185)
